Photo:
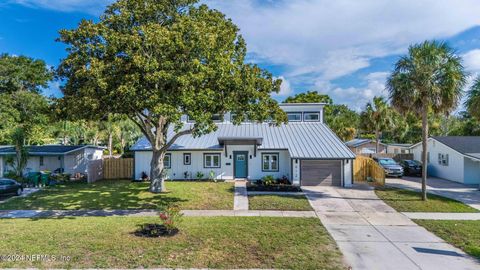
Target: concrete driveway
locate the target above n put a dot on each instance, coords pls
(468, 194)
(372, 235)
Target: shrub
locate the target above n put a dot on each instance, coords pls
(211, 176)
(170, 218)
(284, 180)
(268, 180)
(200, 175)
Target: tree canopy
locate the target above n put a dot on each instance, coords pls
(473, 101)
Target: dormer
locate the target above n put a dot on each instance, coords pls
(303, 112)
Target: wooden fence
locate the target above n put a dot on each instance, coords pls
(366, 169)
(118, 168)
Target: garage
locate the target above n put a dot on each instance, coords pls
(321, 173)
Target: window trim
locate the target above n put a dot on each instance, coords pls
(189, 158)
(212, 154)
(298, 113)
(41, 161)
(305, 119)
(271, 154)
(169, 161)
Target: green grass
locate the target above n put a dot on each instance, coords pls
(279, 202)
(411, 201)
(123, 194)
(464, 234)
(214, 242)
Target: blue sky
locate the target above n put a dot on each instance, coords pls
(343, 48)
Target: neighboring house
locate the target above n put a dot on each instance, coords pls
(305, 151)
(365, 146)
(72, 159)
(398, 148)
(455, 158)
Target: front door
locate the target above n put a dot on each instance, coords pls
(240, 165)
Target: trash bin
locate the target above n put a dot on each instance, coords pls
(44, 177)
(33, 178)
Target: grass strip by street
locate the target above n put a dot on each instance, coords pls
(464, 234)
(279, 202)
(124, 194)
(213, 242)
(411, 201)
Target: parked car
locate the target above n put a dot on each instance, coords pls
(412, 167)
(9, 186)
(391, 167)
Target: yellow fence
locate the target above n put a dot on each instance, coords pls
(367, 170)
(118, 168)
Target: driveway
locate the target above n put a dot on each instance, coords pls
(372, 235)
(468, 194)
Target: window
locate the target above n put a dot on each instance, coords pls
(167, 161)
(443, 159)
(311, 116)
(294, 117)
(190, 120)
(41, 161)
(216, 118)
(270, 162)
(211, 160)
(187, 159)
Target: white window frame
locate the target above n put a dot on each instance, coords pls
(295, 113)
(270, 160)
(185, 157)
(210, 157)
(443, 159)
(311, 113)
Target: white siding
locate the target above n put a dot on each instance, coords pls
(347, 173)
(472, 171)
(77, 161)
(178, 169)
(454, 171)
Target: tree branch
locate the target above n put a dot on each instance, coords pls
(175, 137)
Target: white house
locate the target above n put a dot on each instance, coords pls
(72, 159)
(305, 151)
(399, 148)
(455, 158)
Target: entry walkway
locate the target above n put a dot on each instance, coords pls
(240, 201)
(372, 235)
(468, 194)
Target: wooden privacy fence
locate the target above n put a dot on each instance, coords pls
(118, 168)
(366, 169)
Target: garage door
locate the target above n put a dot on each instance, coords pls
(321, 172)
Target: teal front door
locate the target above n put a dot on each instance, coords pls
(240, 164)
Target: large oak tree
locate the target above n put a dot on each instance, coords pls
(155, 60)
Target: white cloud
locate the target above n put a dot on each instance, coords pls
(285, 88)
(356, 97)
(94, 7)
(471, 60)
(329, 39)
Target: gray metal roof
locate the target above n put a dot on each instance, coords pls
(47, 149)
(302, 139)
(463, 144)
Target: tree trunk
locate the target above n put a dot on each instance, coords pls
(157, 176)
(424, 152)
(110, 143)
(377, 141)
(19, 167)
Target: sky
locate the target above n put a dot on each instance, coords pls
(343, 48)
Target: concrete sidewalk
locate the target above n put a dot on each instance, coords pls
(468, 194)
(442, 216)
(372, 235)
(240, 199)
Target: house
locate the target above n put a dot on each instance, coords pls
(365, 146)
(305, 151)
(72, 159)
(398, 148)
(455, 158)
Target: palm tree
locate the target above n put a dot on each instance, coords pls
(473, 101)
(376, 118)
(429, 79)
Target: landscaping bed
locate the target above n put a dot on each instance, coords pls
(464, 234)
(273, 187)
(411, 201)
(279, 202)
(123, 194)
(213, 242)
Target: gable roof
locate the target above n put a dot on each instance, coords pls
(47, 149)
(359, 141)
(302, 139)
(462, 144)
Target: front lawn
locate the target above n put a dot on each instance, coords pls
(279, 202)
(123, 194)
(213, 242)
(464, 234)
(411, 201)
